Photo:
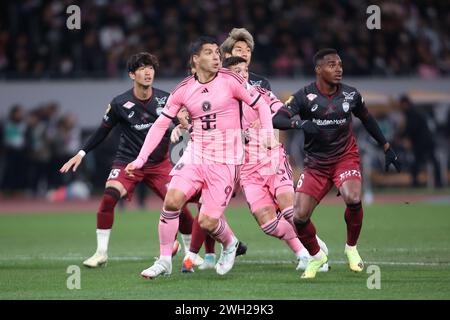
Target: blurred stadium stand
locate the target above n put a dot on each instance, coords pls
(55, 83)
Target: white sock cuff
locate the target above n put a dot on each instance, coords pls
(103, 231)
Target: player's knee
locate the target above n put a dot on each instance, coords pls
(352, 198)
(301, 215)
(207, 223)
(171, 205)
(300, 221)
(264, 215)
(173, 201)
(285, 200)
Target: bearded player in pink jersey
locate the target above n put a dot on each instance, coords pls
(265, 178)
(211, 162)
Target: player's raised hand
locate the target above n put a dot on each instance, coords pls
(176, 133)
(73, 162)
(391, 158)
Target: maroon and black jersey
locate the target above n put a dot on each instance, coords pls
(258, 81)
(135, 117)
(333, 116)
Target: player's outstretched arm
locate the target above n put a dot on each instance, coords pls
(74, 162)
(282, 120)
(153, 138)
(374, 130)
(94, 140)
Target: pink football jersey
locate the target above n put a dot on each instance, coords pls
(256, 155)
(215, 113)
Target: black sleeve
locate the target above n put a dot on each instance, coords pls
(266, 85)
(369, 122)
(96, 138)
(282, 119)
(110, 119)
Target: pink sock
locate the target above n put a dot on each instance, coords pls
(295, 245)
(223, 233)
(288, 215)
(280, 229)
(167, 230)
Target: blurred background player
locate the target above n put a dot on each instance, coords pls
(325, 108)
(211, 97)
(134, 111)
(422, 141)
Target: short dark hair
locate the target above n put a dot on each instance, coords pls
(142, 59)
(322, 53)
(232, 61)
(196, 46)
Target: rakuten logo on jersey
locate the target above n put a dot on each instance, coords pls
(349, 173)
(142, 126)
(321, 122)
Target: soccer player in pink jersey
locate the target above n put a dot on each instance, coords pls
(265, 177)
(211, 162)
(238, 43)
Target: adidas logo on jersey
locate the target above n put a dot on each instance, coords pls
(205, 90)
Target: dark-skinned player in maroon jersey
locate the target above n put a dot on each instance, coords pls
(325, 108)
(134, 111)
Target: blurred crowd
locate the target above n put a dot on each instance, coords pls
(35, 144)
(35, 42)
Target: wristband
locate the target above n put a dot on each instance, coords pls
(82, 153)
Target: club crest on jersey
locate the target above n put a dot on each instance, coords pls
(348, 96)
(314, 107)
(206, 106)
(128, 105)
(311, 96)
(256, 83)
(161, 101)
(159, 110)
(345, 106)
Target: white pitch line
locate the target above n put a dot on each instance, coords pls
(239, 261)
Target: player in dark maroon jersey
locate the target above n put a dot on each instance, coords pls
(134, 111)
(325, 108)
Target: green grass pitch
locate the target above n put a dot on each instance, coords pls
(409, 243)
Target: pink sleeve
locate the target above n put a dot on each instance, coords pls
(173, 104)
(245, 92)
(265, 116)
(153, 138)
(271, 99)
